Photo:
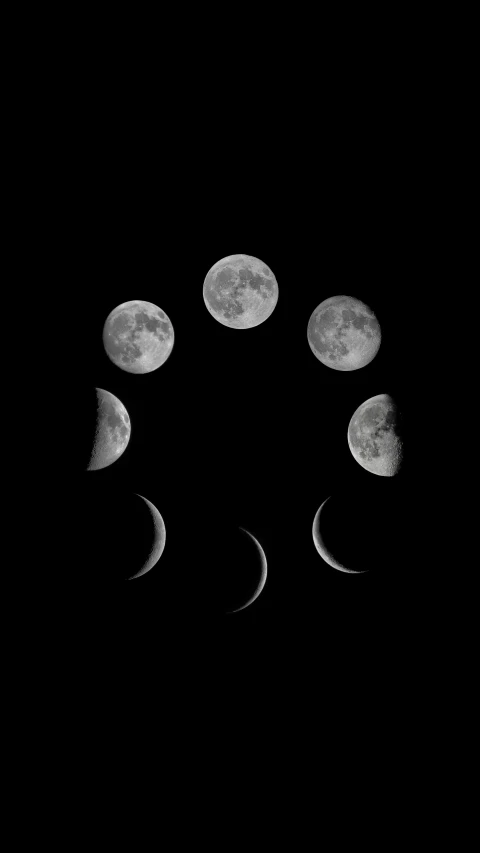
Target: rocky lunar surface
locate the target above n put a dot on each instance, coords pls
(373, 436)
(138, 337)
(112, 432)
(343, 333)
(240, 292)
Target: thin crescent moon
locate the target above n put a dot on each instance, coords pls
(263, 577)
(322, 550)
(158, 543)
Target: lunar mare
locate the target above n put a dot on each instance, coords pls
(343, 333)
(112, 432)
(322, 549)
(263, 574)
(138, 336)
(373, 436)
(158, 540)
(240, 291)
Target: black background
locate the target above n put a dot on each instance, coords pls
(242, 427)
(141, 165)
(247, 427)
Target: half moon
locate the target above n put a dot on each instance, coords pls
(112, 430)
(323, 551)
(263, 574)
(158, 541)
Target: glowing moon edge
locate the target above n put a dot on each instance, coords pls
(159, 541)
(263, 576)
(322, 550)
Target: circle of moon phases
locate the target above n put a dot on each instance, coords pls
(138, 336)
(112, 432)
(343, 333)
(158, 540)
(240, 291)
(374, 438)
(262, 576)
(323, 550)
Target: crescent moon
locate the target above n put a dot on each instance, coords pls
(263, 574)
(322, 550)
(158, 543)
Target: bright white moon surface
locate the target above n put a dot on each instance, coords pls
(138, 336)
(343, 333)
(113, 430)
(373, 436)
(240, 291)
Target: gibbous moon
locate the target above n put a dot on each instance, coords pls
(240, 291)
(112, 432)
(262, 574)
(322, 549)
(374, 437)
(158, 540)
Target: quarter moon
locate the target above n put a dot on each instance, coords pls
(263, 574)
(376, 435)
(112, 430)
(158, 543)
(323, 551)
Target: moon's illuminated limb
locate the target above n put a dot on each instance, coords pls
(263, 574)
(233, 259)
(364, 438)
(158, 544)
(322, 550)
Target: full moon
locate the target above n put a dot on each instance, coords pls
(324, 552)
(343, 333)
(240, 291)
(112, 431)
(373, 436)
(138, 336)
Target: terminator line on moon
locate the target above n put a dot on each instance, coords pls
(240, 291)
(323, 551)
(138, 336)
(343, 333)
(373, 436)
(158, 541)
(112, 432)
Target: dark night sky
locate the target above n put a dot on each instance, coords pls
(247, 427)
(132, 185)
(243, 427)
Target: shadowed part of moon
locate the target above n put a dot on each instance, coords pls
(158, 540)
(262, 573)
(112, 431)
(324, 552)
